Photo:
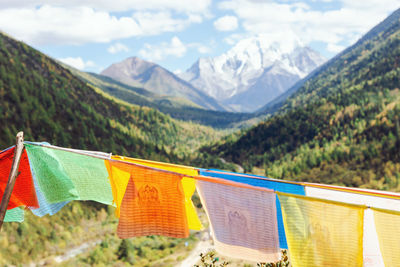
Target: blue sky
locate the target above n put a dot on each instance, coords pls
(93, 34)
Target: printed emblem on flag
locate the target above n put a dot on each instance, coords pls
(148, 195)
(236, 221)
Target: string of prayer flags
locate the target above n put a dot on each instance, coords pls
(153, 203)
(66, 175)
(371, 198)
(387, 226)
(189, 185)
(14, 215)
(322, 225)
(243, 220)
(322, 232)
(8, 148)
(24, 191)
(261, 181)
(383, 198)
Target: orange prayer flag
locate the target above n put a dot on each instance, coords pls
(189, 184)
(24, 191)
(153, 203)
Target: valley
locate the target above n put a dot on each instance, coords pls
(279, 110)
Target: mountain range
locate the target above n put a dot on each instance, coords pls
(244, 79)
(136, 72)
(255, 71)
(178, 108)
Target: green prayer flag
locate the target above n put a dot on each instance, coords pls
(53, 181)
(89, 175)
(65, 175)
(14, 215)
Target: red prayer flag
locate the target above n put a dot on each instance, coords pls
(24, 191)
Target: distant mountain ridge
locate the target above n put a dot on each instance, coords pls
(255, 71)
(154, 78)
(180, 109)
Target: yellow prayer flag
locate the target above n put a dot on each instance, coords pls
(387, 226)
(322, 232)
(119, 181)
(188, 184)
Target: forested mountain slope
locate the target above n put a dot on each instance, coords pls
(47, 102)
(341, 126)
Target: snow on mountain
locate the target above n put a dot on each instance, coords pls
(253, 72)
(141, 73)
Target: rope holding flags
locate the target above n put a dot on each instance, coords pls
(251, 217)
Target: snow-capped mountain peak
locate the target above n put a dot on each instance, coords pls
(237, 70)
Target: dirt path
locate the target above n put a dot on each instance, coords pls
(194, 256)
(239, 168)
(69, 254)
(202, 246)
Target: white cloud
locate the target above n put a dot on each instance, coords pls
(335, 48)
(187, 6)
(226, 23)
(159, 52)
(234, 38)
(117, 47)
(155, 23)
(60, 23)
(201, 48)
(53, 25)
(174, 48)
(333, 27)
(177, 71)
(77, 62)
(372, 5)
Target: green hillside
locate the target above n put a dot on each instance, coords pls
(177, 108)
(341, 126)
(48, 103)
